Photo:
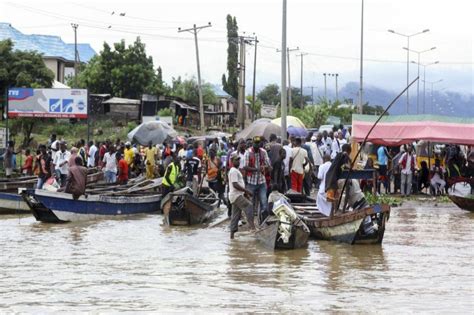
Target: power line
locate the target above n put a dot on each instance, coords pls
(113, 27)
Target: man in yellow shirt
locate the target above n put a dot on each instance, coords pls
(128, 155)
(150, 158)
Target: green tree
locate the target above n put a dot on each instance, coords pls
(122, 71)
(296, 97)
(23, 69)
(231, 83)
(311, 115)
(270, 94)
(188, 90)
(255, 107)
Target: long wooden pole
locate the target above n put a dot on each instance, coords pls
(367, 136)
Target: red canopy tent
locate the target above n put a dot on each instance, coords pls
(402, 129)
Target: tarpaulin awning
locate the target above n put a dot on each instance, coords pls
(402, 129)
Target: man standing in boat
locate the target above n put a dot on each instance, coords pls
(256, 163)
(44, 167)
(61, 163)
(237, 197)
(324, 206)
(171, 175)
(76, 179)
(340, 162)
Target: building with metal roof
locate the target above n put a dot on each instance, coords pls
(57, 55)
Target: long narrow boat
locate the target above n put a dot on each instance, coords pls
(462, 193)
(284, 229)
(463, 202)
(57, 207)
(11, 201)
(364, 226)
(269, 234)
(182, 208)
(12, 184)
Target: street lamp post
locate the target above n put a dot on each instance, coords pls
(325, 88)
(418, 52)
(408, 36)
(424, 79)
(431, 92)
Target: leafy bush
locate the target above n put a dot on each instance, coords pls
(165, 112)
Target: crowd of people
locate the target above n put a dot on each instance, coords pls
(243, 172)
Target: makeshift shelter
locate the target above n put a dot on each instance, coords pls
(123, 108)
(403, 129)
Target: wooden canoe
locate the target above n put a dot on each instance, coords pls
(465, 203)
(268, 234)
(350, 227)
(58, 207)
(182, 208)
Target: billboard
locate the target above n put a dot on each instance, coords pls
(55, 103)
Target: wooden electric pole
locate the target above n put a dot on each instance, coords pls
(194, 30)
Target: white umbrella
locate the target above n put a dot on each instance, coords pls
(260, 127)
(155, 131)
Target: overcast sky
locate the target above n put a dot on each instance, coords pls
(328, 30)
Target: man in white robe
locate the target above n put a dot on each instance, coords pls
(324, 206)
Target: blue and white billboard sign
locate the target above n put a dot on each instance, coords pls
(55, 103)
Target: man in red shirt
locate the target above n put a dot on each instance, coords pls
(122, 168)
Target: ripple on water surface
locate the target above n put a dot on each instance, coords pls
(138, 264)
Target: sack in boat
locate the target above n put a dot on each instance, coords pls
(331, 195)
(51, 184)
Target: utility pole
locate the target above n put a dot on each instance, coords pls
(325, 88)
(361, 87)
(301, 80)
(337, 92)
(254, 77)
(243, 40)
(194, 30)
(76, 55)
(283, 73)
(241, 94)
(288, 50)
(290, 101)
(312, 93)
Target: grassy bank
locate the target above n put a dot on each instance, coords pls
(71, 132)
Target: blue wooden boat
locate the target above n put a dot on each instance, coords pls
(12, 203)
(58, 207)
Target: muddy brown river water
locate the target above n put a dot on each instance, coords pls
(425, 264)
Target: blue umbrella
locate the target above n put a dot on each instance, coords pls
(298, 132)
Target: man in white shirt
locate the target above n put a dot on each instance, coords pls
(182, 154)
(407, 162)
(298, 161)
(237, 197)
(286, 161)
(110, 168)
(324, 206)
(327, 140)
(437, 182)
(91, 155)
(336, 146)
(61, 163)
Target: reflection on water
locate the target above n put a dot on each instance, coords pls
(138, 264)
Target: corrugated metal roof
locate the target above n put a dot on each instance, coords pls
(48, 45)
(122, 101)
(219, 91)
